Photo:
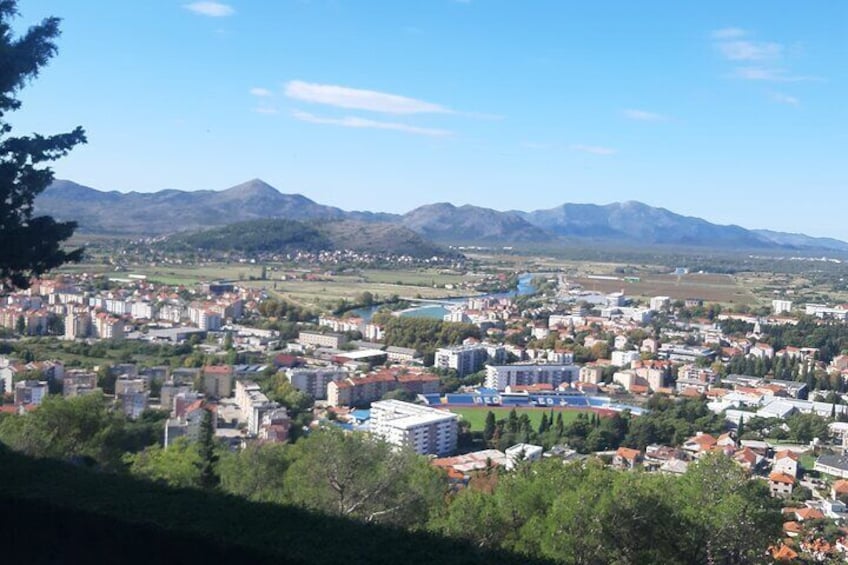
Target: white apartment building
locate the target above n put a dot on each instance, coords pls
(421, 428)
(624, 358)
(660, 303)
(143, 310)
(171, 312)
(253, 404)
(77, 324)
(781, 306)
(464, 359)
(522, 374)
(117, 306)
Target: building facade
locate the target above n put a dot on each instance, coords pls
(421, 428)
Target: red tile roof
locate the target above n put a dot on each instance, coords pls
(628, 454)
(782, 478)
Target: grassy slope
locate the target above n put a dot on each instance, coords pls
(69, 514)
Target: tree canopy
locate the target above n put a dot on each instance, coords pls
(32, 244)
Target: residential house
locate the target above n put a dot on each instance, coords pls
(626, 458)
(786, 461)
(781, 484)
(748, 459)
(275, 426)
(699, 444)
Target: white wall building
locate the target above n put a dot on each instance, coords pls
(521, 374)
(522, 452)
(425, 430)
(624, 358)
(464, 359)
(781, 306)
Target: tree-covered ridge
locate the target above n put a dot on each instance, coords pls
(257, 236)
(281, 236)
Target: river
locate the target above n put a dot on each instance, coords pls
(436, 311)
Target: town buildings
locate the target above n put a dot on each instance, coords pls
(423, 429)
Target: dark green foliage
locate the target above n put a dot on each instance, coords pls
(400, 394)
(277, 236)
(671, 422)
(257, 236)
(803, 428)
(588, 514)
(32, 245)
(282, 309)
(423, 334)
(100, 516)
(208, 449)
(81, 428)
(489, 429)
(831, 338)
(352, 475)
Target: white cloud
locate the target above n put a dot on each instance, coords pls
(594, 149)
(261, 92)
(267, 110)
(770, 74)
(356, 122)
(743, 50)
(211, 9)
(643, 115)
(762, 60)
(357, 99)
(782, 98)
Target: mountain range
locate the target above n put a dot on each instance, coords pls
(624, 223)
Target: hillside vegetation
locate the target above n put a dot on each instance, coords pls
(101, 517)
(275, 236)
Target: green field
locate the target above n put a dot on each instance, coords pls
(477, 416)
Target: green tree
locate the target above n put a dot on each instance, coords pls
(20, 325)
(73, 428)
(803, 428)
(106, 379)
(728, 517)
(256, 472)
(489, 427)
(208, 449)
(400, 394)
(353, 475)
(32, 244)
(178, 465)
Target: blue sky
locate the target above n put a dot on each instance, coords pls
(731, 111)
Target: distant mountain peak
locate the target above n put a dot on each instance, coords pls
(253, 187)
(622, 223)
